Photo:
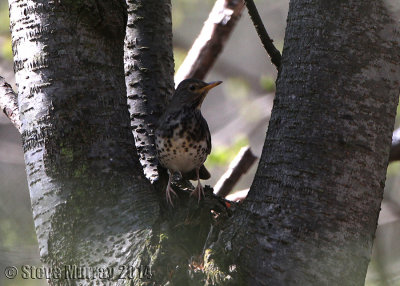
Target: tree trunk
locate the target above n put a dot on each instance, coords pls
(91, 204)
(311, 213)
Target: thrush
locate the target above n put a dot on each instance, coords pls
(183, 140)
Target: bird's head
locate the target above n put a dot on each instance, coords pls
(192, 92)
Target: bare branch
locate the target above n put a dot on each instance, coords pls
(262, 33)
(395, 149)
(9, 103)
(238, 196)
(239, 166)
(211, 40)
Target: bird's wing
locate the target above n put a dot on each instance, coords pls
(203, 130)
(208, 136)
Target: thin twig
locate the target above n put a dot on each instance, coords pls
(239, 166)
(9, 103)
(262, 33)
(211, 40)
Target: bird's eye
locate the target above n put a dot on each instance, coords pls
(192, 87)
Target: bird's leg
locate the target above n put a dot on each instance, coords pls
(169, 189)
(198, 191)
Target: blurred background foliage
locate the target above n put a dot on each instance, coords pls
(237, 111)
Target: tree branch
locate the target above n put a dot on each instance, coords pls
(395, 149)
(9, 103)
(238, 196)
(262, 33)
(239, 166)
(211, 40)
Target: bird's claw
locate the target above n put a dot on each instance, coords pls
(168, 195)
(198, 192)
(169, 189)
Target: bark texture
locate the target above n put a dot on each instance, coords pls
(149, 69)
(85, 180)
(312, 210)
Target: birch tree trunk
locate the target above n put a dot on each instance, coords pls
(311, 213)
(91, 204)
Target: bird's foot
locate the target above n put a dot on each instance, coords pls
(169, 189)
(168, 194)
(198, 191)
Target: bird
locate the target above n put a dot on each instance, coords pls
(182, 136)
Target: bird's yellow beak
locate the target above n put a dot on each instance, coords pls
(209, 86)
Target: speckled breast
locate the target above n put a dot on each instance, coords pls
(183, 142)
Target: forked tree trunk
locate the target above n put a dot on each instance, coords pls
(311, 214)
